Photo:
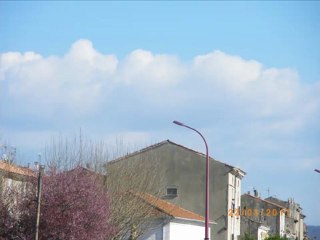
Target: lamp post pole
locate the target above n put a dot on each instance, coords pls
(207, 179)
(40, 171)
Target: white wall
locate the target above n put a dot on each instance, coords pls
(301, 234)
(234, 197)
(238, 205)
(282, 224)
(185, 231)
(263, 232)
(176, 229)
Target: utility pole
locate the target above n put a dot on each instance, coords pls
(40, 170)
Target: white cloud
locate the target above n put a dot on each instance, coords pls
(232, 71)
(146, 69)
(82, 54)
(76, 82)
(85, 81)
(10, 61)
(259, 90)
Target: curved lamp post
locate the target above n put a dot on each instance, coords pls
(207, 179)
(317, 170)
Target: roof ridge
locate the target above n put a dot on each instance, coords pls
(171, 142)
(13, 168)
(202, 154)
(139, 151)
(275, 204)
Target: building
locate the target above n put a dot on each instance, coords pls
(171, 222)
(260, 217)
(177, 174)
(295, 227)
(13, 175)
(283, 218)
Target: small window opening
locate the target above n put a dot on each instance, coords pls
(172, 192)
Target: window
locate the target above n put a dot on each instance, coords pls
(172, 192)
(233, 206)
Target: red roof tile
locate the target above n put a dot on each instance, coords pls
(169, 208)
(11, 168)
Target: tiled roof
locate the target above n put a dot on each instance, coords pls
(11, 168)
(169, 208)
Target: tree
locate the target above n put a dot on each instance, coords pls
(7, 220)
(74, 206)
(276, 237)
(7, 153)
(79, 203)
(130, 214)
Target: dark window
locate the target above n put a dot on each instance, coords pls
(233, 206)
(172, 191)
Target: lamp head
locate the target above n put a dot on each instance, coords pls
(178, 123)
(317, 170)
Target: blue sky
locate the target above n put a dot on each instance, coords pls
(244, 73)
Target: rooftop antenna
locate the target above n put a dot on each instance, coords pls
(268, 190)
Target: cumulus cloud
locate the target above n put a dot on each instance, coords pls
(74, 82)
(232, 71)
(11, 60)
(145, 68)
(85, 81)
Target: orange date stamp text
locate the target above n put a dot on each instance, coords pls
(249, 212)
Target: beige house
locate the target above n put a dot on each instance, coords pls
(13, 175)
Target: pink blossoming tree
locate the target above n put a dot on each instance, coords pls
(74, 205)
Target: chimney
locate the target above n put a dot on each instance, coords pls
(255, 192)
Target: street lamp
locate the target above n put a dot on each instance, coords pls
(207, 180)
(317, 170)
